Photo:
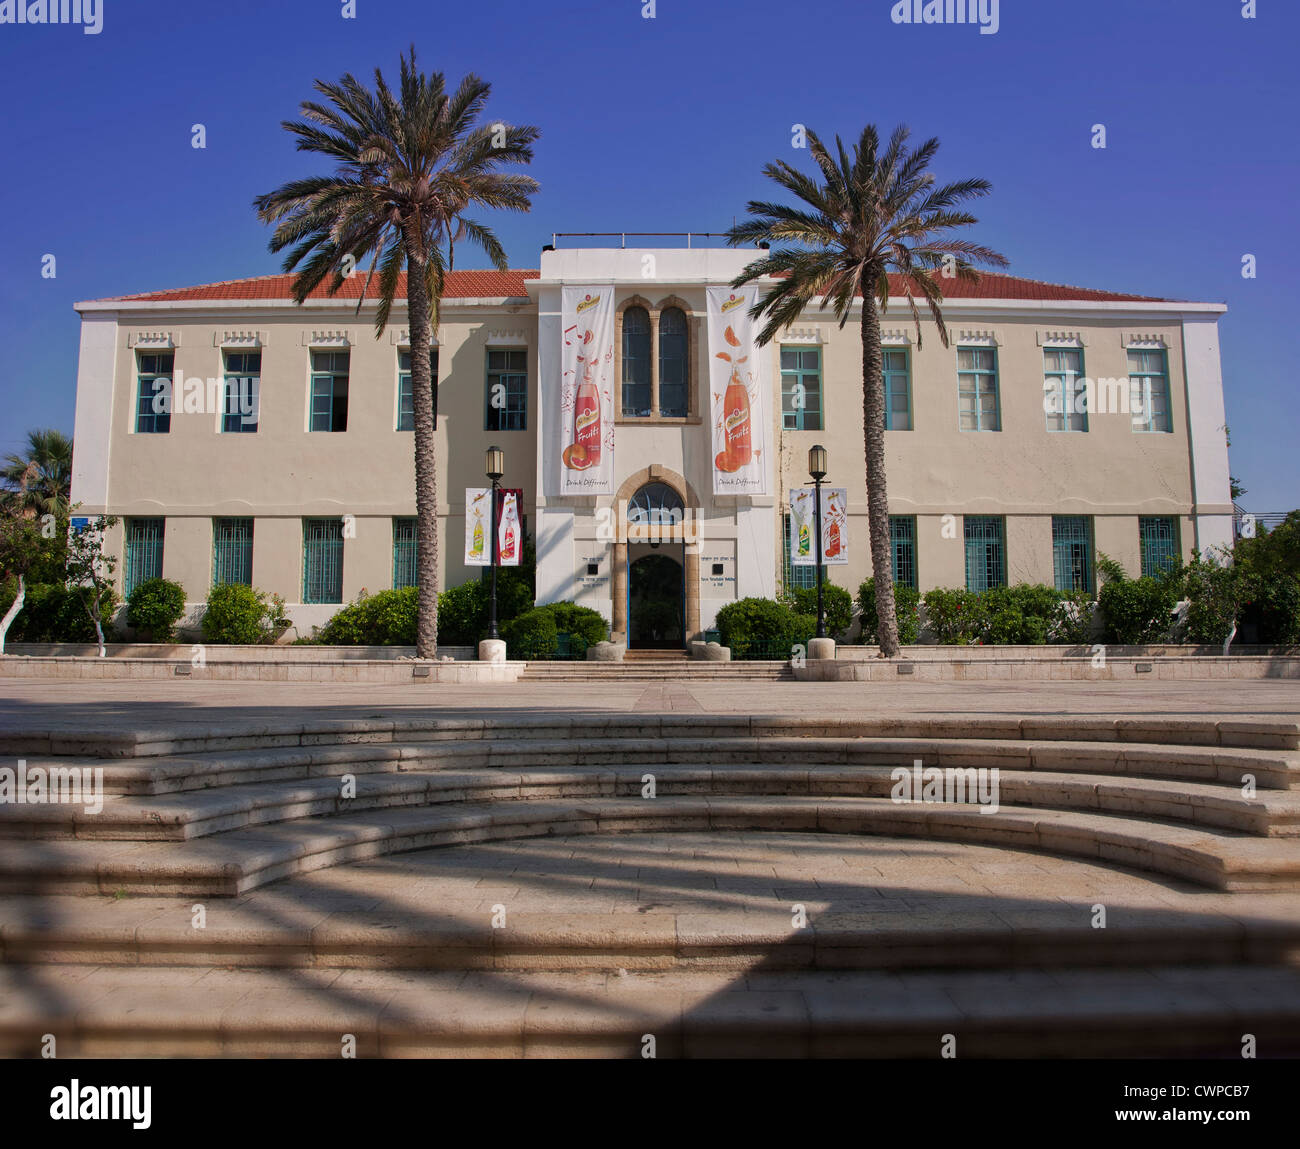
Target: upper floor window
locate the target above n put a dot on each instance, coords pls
(1064, 390)
(977, 389)
(674, 363)
(243, 381)
(153, 405)
(507, 390)
(329, 390)
(1148, 376)
(801, 388)
(636, 363)
(406, 396)
(898, 391)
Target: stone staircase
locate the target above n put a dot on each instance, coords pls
(678, 669)
(216, 813)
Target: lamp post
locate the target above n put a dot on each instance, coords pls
(496, 468)
(817, 469)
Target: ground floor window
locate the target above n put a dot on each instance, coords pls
(144, 552)
(232, 551)
(986, 560)
(1158, 539)
(404, 552)
(1072, 552)
(322, 560)
(902, 540)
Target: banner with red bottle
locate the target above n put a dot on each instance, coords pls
(478, 527)
(510, 528)
(803, 526)
(587, 391)
(736, 397)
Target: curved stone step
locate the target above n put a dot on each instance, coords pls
(241, 860)
(198, 813)
(1271, 770)
(1127, 1013)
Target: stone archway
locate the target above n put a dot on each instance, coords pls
(656, 473)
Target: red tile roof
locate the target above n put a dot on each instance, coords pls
(459, 285)
(498, 284)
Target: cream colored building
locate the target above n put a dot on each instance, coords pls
(307, 489)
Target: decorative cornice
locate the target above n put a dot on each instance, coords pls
(326, 339)
(238, 339)
(1130, 339)
(150, 339)
(1061, 339)
(803, 335)
(401, 337)
(507, 339)
(987, 338)
(896, 337)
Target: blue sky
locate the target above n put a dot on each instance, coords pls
(664, 124)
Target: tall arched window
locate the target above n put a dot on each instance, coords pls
(673, 354)
(636, 363)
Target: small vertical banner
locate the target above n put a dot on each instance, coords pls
(587, 391)
(735, 397)
(478, 506)
(510, 540)
(803, 526)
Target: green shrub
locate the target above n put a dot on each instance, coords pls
(1027, 614)
(578, 620)
(241, 615)
(761, 626)
(53, 613)
(906, 603)
(463, 614)
(532, 634)
(1137, 611)
(386, 618)
(154, 608)
(1274, 610)
(1214, 591)
(949, 614)
(836, 601)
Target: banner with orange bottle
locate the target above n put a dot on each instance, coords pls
(803, 526)
(735, 395)
(587, 391)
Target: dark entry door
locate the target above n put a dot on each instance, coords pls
(656, 604)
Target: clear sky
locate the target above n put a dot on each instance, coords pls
(664, 124)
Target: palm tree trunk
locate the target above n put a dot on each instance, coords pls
(426, 475)
(873, 424)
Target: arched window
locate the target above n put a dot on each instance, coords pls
(636, 363)
(656, 504)
(673, 373)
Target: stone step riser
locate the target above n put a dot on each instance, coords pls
(1224, 734)
(1199, 859)
(400, 791)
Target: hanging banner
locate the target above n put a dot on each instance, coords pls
(736, 397)
(478, 506)
(510, 540)
(587, 392)
(803, 526)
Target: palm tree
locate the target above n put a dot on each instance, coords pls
(875, 213)
(409, 163)
(39, 482)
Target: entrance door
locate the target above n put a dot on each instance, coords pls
(656, 614)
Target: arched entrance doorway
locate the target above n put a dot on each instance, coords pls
(656, 569)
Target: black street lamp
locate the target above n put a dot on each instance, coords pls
(817, 469)
(496, 468)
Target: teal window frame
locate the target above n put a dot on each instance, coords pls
(232, 552)
(151, 366)
(243, 374)
(1066, 384)
(322, 561)
(508, 366)
(1149, 392)
(144, 552)
(674, 364)
(330, 374)
(986, 551)
(1072, 553)
(796, 577)
(902, 544)
(406, 393)
(796, 369)
(405, 553)
(1159, 544)
(898, 383)
(975, 383)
